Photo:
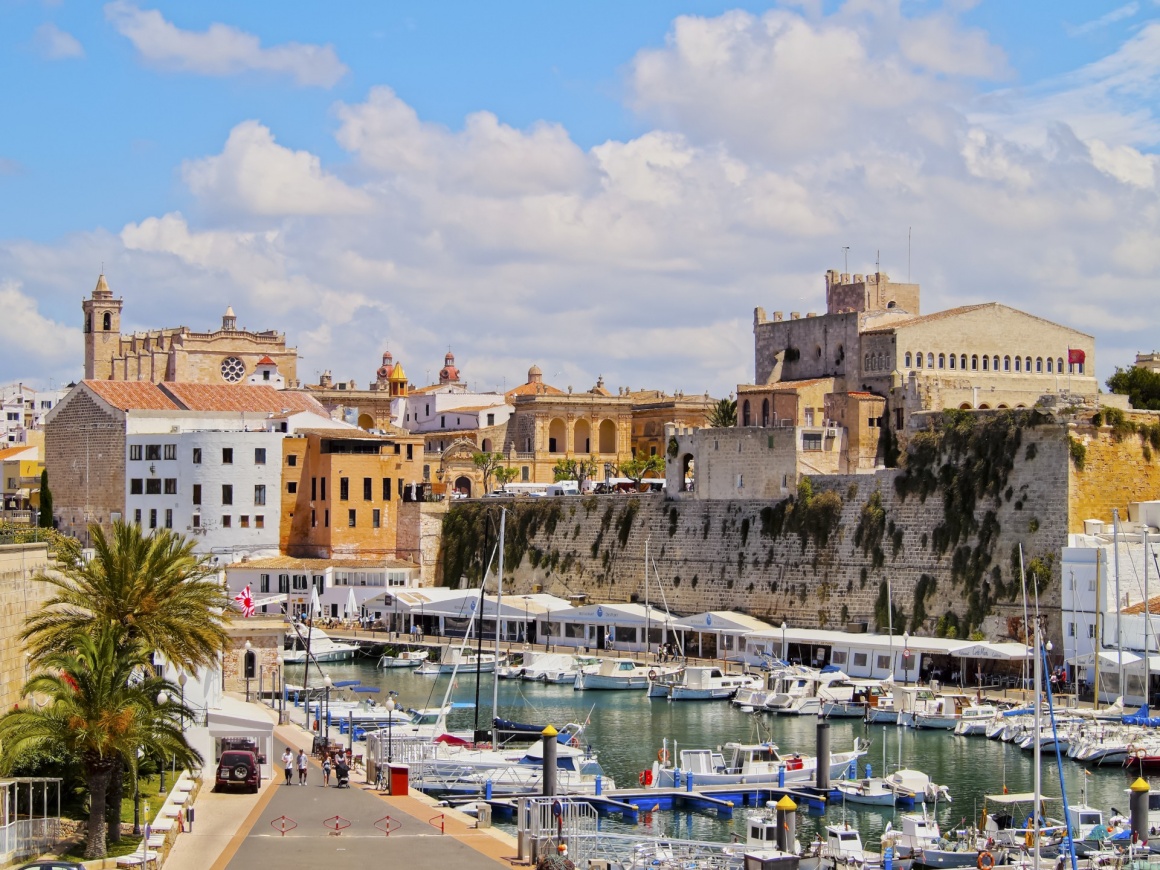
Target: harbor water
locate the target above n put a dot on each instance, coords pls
(627, 729)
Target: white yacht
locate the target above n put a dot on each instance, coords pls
(406, 659)
(710, 684)
(976, 719)
(746, 762)
(620, 674)
(466, 660)
(323, 648)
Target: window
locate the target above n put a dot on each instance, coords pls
(170, 451)
(974, 362)
(137, 516)
(942, 361)
(169, 518)
(197, 456)
(322, 488)
(171, 486)
(398, 449)
(344, 489)
(491, 419)
(1071, 629)
(1059, 365)
(313, 519)
(906, 359)
(986, 363)
(952, 361)
(1027, 365)
(134, 449)
(427, 470)
(376, 519)
(930, 360)
(227, 493)
(963, 361)
(136, 486)
(153, 518)
(197, 493)
(995, 363)
(260, 521)
(410, 452)
(152, 451)
(326, 518)
(197, 521)
(442, 422)
(227, 456)
(1018, 364)
(260, 494)
(153, 486)
(13, 415)
(292, 487)
(1049, 361)
(1092, 630)
(292, 459)
(300, 583)
(259, 456)
(368, 488)
(882, 663)
(1038, 364)
(860, 659)
(244, 521)
(283, 582)
(313, 488)
(812, 441)
(263, 582)
(1006, 363)
(226, 523)
(838, 658)
(352, 518)
(525, 474)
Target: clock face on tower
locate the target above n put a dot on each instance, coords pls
(233, 369)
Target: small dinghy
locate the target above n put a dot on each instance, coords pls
(873, 791)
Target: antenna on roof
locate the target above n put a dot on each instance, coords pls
(878, 262)
(908, 231)
(846, 259)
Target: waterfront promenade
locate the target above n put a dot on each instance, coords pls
(234, 831)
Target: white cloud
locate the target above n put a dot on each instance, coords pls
(1120, 13)
(256, 175)
(55, 44)
(221, 50)
(36, 341)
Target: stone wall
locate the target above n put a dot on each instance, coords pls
(20, 596)
(1119, 466)
(420, 525)
(821, 559)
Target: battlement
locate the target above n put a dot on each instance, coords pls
(876, 292)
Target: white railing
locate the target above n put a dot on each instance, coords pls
(28, 837)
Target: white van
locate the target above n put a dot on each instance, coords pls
(563, 487)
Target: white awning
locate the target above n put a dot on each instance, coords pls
(1108, 659)
(999, 651)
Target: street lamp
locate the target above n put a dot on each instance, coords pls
(324, 726)
(162, 700)
(527, 633)
(246, 668)
(181, 680)
(784, 648)
(906, 658)
(390, 705)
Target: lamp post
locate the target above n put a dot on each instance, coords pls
(162, 700)
(246, 668)
(181, 680)
(906, 658)
(390, 705)
(784, 648)
(324, 725)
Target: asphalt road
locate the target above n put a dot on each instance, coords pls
(413, 842)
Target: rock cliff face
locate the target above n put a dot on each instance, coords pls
(945, 529)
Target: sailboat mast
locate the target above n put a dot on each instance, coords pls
(498, 608)
(1119, 636)
(1147, 626)
(890, 622)
(1097, 642)
(1038, 681)
(647, 611)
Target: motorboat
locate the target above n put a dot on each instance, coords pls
(793, 683)
(710, 684)
(619, 673)
(745, 762)
(916, 785)
(848, 699)
(323, 648)
(975, 719)
(941, 712)
(921, 843)
(461, 659)
(872, 791)
(556, 668)
(411, 658)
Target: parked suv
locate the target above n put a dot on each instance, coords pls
(239, 768)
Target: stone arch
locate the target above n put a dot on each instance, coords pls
(765, 412)
(1002, 406)
(745, 414)
(557, 436)
(984, 407)
(963, 362)
(1059, 366)
(607, 436)
(1050, 361)
(366, 422)
(995, 363)
(463, 484)
(107, 321)
(1020, 405)
(974, 362)
(1006, 363)
(954, 361)
(1027, 365)
(906, 360)
(929, 360)
(1038, 364)
(986, 363)
(687, 470)
(582, 436)
(486, 445)
(1018, 363)
(965, 406)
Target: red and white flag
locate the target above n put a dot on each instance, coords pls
(1075, 356)
(245, 601)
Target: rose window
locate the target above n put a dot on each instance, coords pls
(233, 369)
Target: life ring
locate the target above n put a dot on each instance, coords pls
(315, 725)
(985, 861)
(663, 756)
(574, 741)
(645, 778)
(1141, 754)
(652, 675)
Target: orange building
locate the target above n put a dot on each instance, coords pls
(342, 491)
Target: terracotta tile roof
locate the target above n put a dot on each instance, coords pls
(862, 395)
(347, 434)
(534, 390)
(266, 361)
(238, 397)
(132, 395)
(1138, 607)
(289, 562)
(14, 452)
(777, 386)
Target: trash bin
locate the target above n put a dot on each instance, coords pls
(400, 776)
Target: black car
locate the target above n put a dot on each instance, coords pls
(239, 769)
(53, 864)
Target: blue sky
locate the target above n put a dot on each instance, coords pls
(600, 188)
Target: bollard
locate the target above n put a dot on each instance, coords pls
(786, 823)
(689, 781)
(599, 785)
(852, 769)
(869, 772)
(781, 776)
(823, 772)
(1138, 801)
(676, 777)
(487, 790)
(548, 737)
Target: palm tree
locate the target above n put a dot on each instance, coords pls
(153, 588)
(101, 706)
(723, 415)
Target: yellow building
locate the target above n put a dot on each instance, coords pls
(20, 470)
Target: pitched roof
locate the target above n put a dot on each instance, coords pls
(964, 309)
(781, 386)
(15, 451)
(534, 390)
(132, 395)
(266, 361)
(240, 397)
(1138, 607)
(290, 562)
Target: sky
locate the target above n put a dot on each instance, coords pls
(600, 188)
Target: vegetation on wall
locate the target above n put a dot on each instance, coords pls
(871, 527)
(1078, 452)
(813, 517)
(723, 415)
(883, 608)
(1141, 386)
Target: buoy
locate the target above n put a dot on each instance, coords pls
(985, 861)
(663, 756)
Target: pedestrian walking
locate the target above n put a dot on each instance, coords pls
(302, 766)
(326, 771)
(288, 763)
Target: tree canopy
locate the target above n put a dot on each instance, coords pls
(641, 466)
(1141, 386)
(723, 415)
(574, 468)
(488, 463)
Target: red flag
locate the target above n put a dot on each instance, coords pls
(1075, 356)
(245, 601)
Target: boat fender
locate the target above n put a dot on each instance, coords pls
(574, 741)
(985, 861)
(663, 756)
(652, 675)
(645, 778)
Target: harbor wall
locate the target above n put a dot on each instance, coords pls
(945, 530)
(1114, 463)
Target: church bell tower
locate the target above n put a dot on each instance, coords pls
(102, 331)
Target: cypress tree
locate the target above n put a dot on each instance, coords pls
(45, 518)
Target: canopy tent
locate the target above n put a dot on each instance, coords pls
(1108, 659)
(1006, 652)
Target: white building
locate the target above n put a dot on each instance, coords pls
(22, 408)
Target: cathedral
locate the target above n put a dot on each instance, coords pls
(224, 356)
